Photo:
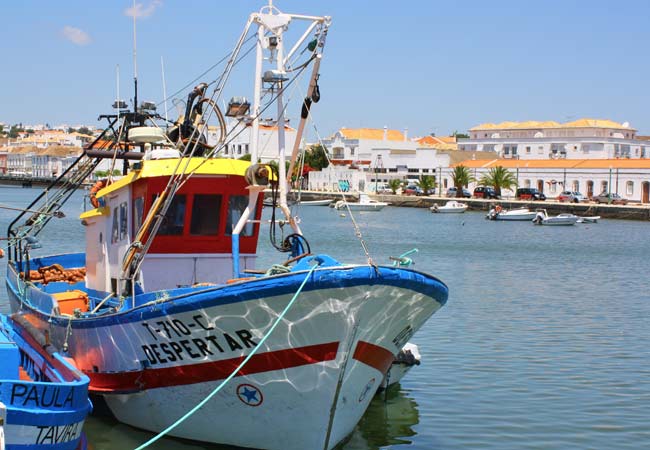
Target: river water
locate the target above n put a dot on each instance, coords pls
(544, 342)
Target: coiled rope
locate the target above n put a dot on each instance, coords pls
(234, 372)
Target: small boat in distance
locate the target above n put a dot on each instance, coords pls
(588, 219)
(45, 396)
(519, 214)
(407, 357)
(451, 206)
(365, 203)
(325, 202)
(542, 218)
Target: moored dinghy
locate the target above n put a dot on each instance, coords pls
(45, 396)
(170, 316)
(542, 218)
(451, 206)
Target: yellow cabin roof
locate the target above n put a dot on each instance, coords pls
(558, 164)
(167, 167)
(532, 124)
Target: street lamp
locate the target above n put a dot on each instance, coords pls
(609, 187)
(378, 164)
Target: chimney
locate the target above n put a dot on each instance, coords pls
(385, 132)
(406, 134)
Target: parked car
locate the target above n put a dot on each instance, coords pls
(571, 196)
(485, 192)
(529, 194)
(451, 192)
(604, 197)
(412, 189)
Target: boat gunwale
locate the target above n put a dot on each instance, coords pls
(249, 289)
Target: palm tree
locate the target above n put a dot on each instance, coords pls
(394, 184)
(499, 177)
(461, 177)
(427, 183)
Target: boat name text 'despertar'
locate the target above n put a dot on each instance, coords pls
(173, 341)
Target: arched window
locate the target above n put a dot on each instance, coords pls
(526, 183)
(576, 186)
(629, 188)
(603, 186)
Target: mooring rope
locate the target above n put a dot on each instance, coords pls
(234, 372)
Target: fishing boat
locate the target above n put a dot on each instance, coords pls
(165, 310)
(451, 206)
(44, 396)
(518, 214)
(542, 218)
(365, 203)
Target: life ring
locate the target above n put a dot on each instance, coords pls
(498, 209)
(101, 184)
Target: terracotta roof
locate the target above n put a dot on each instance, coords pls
(371, 133)
(54, 150)
(559, 163)
(457, 157)
(531, 124)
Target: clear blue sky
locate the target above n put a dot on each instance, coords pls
(431, 66)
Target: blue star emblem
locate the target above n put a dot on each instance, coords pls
(250, 395)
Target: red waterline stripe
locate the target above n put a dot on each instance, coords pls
(150, 378)
(374, 356)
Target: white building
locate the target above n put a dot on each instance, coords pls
(365, 158)
(629, 178)
(238, 143)
(580, 139)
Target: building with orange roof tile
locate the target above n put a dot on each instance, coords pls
(578, 139)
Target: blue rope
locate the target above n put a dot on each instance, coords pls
(243, 363)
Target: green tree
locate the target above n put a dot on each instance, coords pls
(499, 177)
(427, 183)
(461, 177)
(394, 184)
(246, 157)
(14, 131)
(317, 157)
(85, 130)
(457, 135)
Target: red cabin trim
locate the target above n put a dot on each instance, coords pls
(226, 186)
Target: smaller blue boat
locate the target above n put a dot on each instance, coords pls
(45, 395)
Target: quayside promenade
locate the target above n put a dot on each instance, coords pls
(628, 212)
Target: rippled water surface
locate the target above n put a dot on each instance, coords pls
(544, 342)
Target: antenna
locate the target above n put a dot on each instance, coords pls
(117, 76)
(162, 68)
(135, 62)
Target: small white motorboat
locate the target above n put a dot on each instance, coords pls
(365, 203)
(542, 218)
(589, 219)
(451, 206)
(407, 357)
(324, 202)
(497, 213)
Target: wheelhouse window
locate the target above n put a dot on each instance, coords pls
(138, 212)
(123, 220)
(236, 206)
(206, 209)
(115, 230)
(174, 220)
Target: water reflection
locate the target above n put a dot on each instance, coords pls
(389, 420)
